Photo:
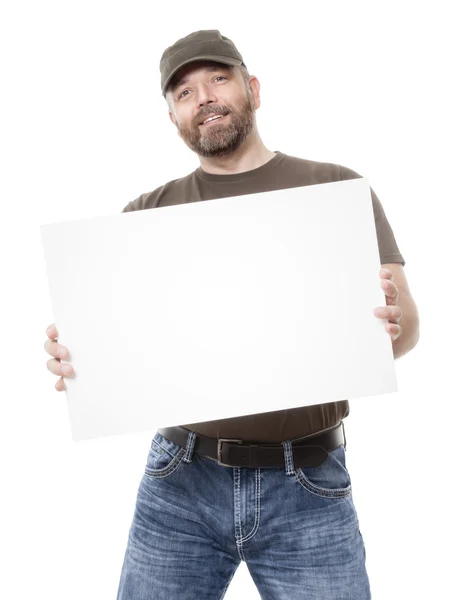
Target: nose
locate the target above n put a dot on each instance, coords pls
(205, 95)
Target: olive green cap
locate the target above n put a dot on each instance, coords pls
(206, 44)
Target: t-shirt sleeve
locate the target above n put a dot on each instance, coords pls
(133, 205)
(144, 201)
(387, 245)
(129, 207)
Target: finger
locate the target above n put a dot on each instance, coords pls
(57, 368)
(392, 313)
(60, 385)
(389, 288)
(56, 350)
(393, 330)
(385, 273)
(52, 332)
(52, 347)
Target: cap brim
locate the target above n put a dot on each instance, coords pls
(227, 60)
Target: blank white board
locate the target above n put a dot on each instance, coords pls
(220, 308)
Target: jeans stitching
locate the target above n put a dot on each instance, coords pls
(168, 469)
(165, 449)
(257, 507)
(320, 491)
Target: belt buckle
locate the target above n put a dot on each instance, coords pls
(219, 449)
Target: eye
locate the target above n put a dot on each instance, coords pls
(217, 77)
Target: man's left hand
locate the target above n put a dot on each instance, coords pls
(392, 311)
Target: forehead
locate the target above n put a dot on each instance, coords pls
(195, 68)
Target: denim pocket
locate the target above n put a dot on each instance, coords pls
(163, 457)
(331, 479)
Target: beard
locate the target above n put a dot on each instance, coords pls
(220, 139)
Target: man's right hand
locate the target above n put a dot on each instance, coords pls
(54, 364)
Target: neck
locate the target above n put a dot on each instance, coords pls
(251, 154)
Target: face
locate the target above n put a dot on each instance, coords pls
(204, 89)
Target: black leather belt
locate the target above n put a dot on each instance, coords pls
(308, 451)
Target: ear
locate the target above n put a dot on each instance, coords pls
(255, 87)
(169, 106)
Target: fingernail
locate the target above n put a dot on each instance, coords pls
(66, 370)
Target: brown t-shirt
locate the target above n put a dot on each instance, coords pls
(281, 172)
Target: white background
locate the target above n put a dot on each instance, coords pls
(85, 130)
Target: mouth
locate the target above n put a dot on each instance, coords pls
(214, 119)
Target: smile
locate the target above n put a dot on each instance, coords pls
(216, 120)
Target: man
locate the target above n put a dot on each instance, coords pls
(272, 488)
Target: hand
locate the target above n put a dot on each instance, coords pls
(392, 311)
(54, 364)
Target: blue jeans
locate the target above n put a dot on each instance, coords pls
(196, 520)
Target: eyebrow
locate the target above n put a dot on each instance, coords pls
(209, 69)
